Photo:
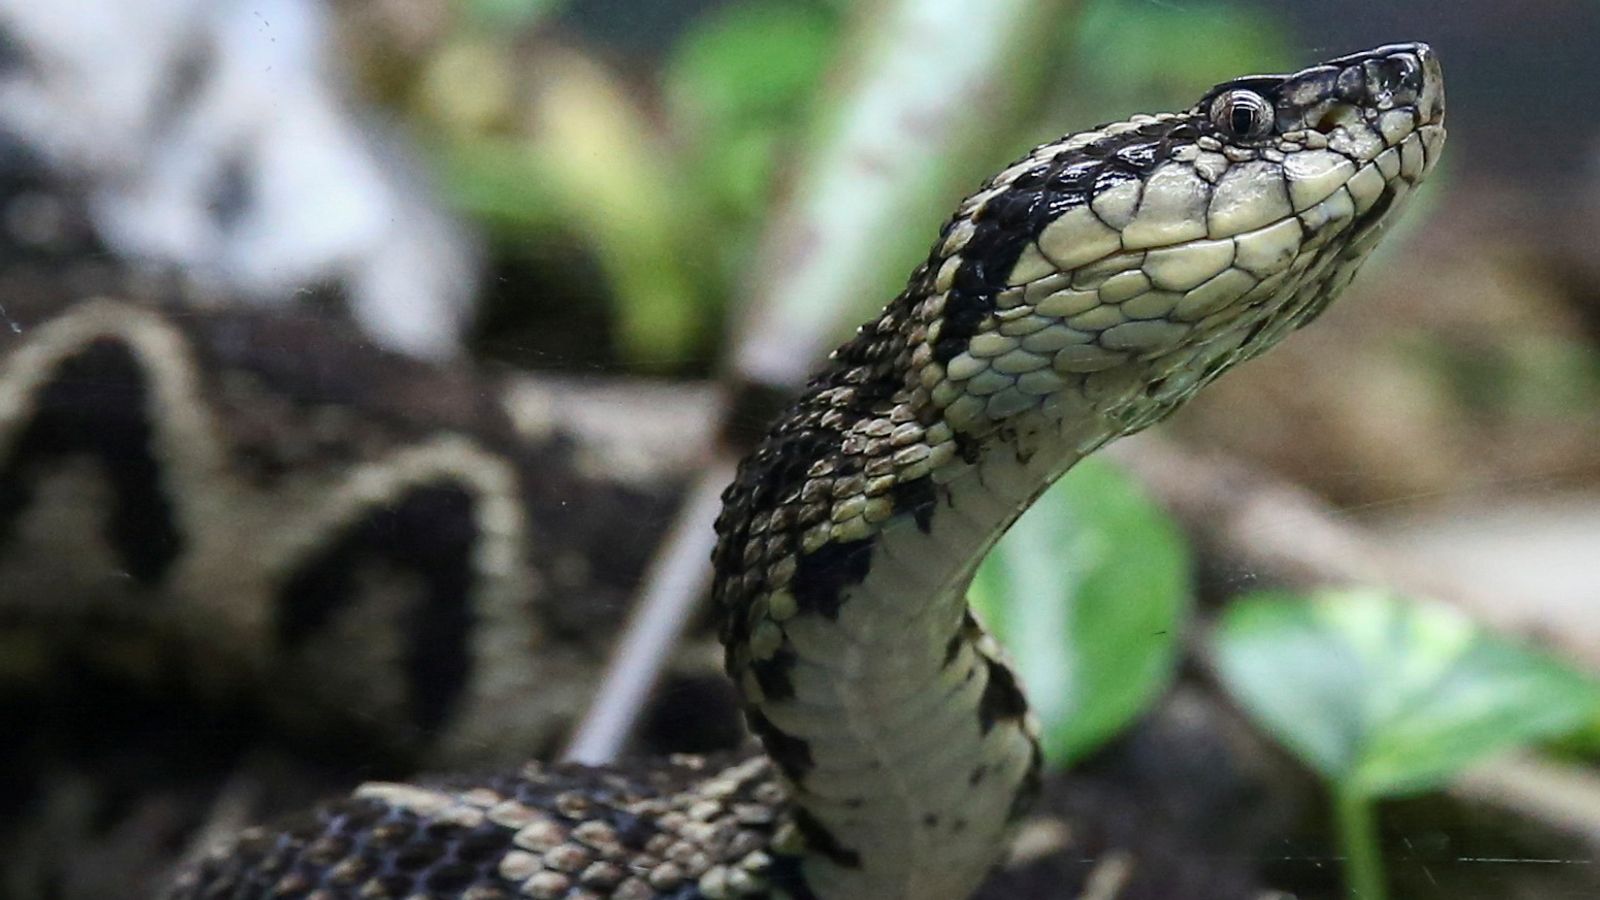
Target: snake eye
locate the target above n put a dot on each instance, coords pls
(1243, 115)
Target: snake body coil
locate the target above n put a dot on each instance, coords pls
(1082, 294)
(360, 531)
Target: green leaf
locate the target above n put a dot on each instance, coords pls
(750, 61)
(739, 86)
(1088, 593)
(1390, 696)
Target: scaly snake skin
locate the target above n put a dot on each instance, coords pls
(1082, 294)
(247, 559)
(364, 562)
(392, 540)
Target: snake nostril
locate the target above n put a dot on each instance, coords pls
(1335, 115)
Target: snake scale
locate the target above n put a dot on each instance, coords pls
(365, 560)
(1080, 295)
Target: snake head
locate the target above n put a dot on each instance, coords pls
(1117, 271)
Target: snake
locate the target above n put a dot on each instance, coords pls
(356, 549)
(1082, 294)
(311, 559)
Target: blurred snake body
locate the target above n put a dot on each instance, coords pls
(1080, 295)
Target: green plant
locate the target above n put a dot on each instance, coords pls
(1088, 592)
(556, 147)
(739, 86)
(1386, 697)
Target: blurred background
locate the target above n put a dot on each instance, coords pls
(702, 190)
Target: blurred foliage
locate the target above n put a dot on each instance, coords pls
(1387, 697)
(1536, 374)
(1140, 47)
(665, 178)
(1391, 696)
(1089, 593)
(593, 165)
(664, 188)
(502, 14)
(1582, 744)
(737, 85)
(1134, 55)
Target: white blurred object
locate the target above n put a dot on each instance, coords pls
(1542, 550)
(217, 135)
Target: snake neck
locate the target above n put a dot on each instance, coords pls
(845, 549)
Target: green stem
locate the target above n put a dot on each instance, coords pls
(1358, 836)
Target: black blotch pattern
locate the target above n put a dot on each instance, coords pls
(787, 876)
(96, 404)
(968, 447)
(1379, 209)
(821, 576)
(1349, 84)
(766, 479)
(1111, 177)
(917, 497)
(774, 674)
(777, 468)
(792, 754)
(1074, 179)
(1001, 699)
(1137, 157)
(1001, 229)
(821, 840)
(1014, 218)
(431, 532)
(952, 647)
(1032, 783)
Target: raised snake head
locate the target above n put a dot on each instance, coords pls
(1110, 274)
